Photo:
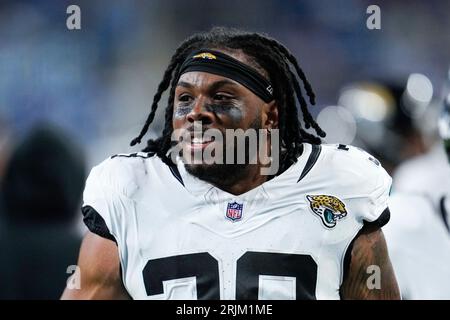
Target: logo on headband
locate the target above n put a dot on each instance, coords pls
(205, 55)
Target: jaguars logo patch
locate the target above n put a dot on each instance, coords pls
(330, 209)
(205, 55)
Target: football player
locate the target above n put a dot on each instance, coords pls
(165, 228)
(419, 233)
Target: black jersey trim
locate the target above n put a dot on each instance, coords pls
(315, 153)
(443, 212)
(176, 174)
(95, 223)
(383, 219)
(134, 155)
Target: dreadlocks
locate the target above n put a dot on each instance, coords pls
(269, 57)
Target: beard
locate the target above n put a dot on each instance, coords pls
(218, 174)
(226, 175)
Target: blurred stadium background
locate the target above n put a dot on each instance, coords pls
(378, 89)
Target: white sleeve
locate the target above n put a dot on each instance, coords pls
(368, 187)
(377, 199)
(102, 203)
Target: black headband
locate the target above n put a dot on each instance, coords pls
(221, 64)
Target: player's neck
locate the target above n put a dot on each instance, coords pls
(234, 179)
(246, 182)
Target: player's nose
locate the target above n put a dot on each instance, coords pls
(200, 113)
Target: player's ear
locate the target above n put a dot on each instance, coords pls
(271, 115)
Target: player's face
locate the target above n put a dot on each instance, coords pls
(219, 103)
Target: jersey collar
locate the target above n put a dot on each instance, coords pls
(212, 194)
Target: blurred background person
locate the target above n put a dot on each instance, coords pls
(428, 174)
(390, 120)
(418, 234)
(40, 196)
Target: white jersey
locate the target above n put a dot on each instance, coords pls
(418, 240)
(179, 237)
(419, 174)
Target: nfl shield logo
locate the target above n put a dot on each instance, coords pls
(234, 211)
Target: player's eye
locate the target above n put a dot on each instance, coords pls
(184, 98)
(222, 97)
